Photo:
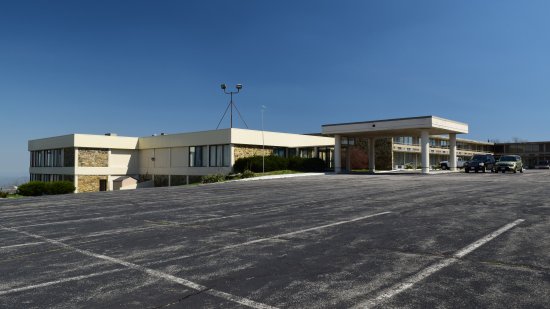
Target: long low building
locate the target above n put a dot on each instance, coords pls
(105, 162)
(92, 162)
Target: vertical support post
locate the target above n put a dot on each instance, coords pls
(337, 154)
(231, 103)
(425, 150)
(348, 157)
(372, 155)
(232, 155)
(452, 151)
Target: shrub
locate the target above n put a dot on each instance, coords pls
(295, 163)
(247, 174)
(312, 165)
(274, 163)
(254, 164)
(59, 187)
(32, 188)
(37, 188)
(212, 178)
(3, 194)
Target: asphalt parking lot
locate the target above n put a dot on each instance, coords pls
(333, 241)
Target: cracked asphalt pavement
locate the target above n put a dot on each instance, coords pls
(332, 241)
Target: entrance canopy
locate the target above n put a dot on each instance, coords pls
(414, 126)
(397, 127)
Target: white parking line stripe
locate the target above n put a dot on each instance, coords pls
(306, 230)
(129, 215)
(426, 272)
(46, 284)
(213, 292)
(22, 245)
(268, 238)
(151, 272)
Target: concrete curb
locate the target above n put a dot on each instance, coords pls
(278, 176)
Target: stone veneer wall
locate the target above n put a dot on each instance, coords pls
(89, 157)
(244, 151)
(88, 183)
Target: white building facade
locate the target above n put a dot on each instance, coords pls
(92, 162)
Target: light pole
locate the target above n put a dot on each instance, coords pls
(263, 141)
(231, 105)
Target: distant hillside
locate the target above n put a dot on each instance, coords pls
(6, 181)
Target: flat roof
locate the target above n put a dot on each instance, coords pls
(392, 119)
(397, 127)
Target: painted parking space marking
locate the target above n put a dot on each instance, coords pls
(63, 280)
(22, 245)
(409, 282)
(316, 228)
(154, 273)
(117, 261)
(137, 229)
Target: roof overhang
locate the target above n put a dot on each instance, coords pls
(397, 127)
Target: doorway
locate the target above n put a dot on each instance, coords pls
(103, 185)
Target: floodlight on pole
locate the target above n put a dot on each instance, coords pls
(231, 105)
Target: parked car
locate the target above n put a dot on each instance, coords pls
(509, 163)
(445, 164)
(544, 164)
(480, 162)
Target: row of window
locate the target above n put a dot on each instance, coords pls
(47, 158)
(409, 140)
(441, 143)
(51, 177)
(220, 155)
(522, 148)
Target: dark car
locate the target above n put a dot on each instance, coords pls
(509, 163)
(480, 162)
(544, 164)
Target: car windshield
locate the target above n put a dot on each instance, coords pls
(508, 159)
(478, 158)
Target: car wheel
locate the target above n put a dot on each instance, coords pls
(503, 171)
(483, 170)
(521, 170)
(476, 170)
(466, 170)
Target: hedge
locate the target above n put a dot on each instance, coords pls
(274, 163)
(213, 178)
(37, 188)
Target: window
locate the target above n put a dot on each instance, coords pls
(306, 153)
(279, 152)
(47, 158)
(292, 152)
(197, 156)
(347, 140)
(405, 140)
(220, 155)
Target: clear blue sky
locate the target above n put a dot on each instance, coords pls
(143, 67)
